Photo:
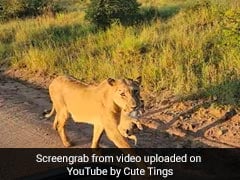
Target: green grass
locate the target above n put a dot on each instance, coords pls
(190, 48)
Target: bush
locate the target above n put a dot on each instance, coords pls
(231, 28)
(10, 8)
(36, 7)
(103, 13)
(22, 8)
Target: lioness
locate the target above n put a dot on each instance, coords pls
(98, 105)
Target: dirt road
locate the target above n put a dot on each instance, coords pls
(22, 124)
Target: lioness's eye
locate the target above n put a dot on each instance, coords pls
(122, 94)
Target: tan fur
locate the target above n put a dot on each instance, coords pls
(98, 105)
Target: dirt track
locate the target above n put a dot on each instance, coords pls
(22, 124)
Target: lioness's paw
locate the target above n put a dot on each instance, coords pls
(67, 144)
(135, 139)
(54, 127)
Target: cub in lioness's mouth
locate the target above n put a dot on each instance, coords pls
(99, 105)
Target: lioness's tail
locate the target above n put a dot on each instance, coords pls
(48, 115)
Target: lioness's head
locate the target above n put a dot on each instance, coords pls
(127, 93)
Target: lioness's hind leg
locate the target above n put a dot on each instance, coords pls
(61, 122)
(55, 122)
(58, 106)
(58, 110)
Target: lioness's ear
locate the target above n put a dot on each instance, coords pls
(111, 81)
(139, 79)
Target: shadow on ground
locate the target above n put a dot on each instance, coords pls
(197, 120)
(148, 14)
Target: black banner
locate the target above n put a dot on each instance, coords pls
(119, 163)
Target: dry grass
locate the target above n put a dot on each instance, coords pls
(184, 49)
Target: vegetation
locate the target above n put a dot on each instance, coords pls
(188, 47)
(10, 9)
(104, 12)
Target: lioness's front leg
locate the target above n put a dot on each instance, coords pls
(111, 128)
(115, 136)
(132, 137)
(97, 133)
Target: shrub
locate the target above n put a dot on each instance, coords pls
(103, 13)
(22, 8)
(36, 7)
(10, 8)
(231, 28)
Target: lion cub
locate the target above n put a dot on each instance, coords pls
(127, 122)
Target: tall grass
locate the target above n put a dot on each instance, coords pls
(187, 52)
